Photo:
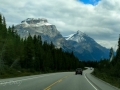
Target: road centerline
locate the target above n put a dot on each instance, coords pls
(58, 81)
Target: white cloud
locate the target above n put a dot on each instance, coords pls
(101, 22)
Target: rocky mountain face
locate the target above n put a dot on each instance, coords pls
(40, 26)
(84, 47)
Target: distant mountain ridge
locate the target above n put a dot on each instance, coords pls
(82, 43)
(83, 46)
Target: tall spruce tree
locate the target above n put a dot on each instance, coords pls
(0, 19)
(117, 60)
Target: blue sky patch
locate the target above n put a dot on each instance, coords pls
(93, 2)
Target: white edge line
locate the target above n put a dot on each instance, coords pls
(90, 82)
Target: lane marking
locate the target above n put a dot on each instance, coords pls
(58, 81)
(90, 82)
(48, 88)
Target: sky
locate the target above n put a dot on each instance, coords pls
(99, 19)
(93, 2)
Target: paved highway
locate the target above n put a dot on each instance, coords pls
(56, 81)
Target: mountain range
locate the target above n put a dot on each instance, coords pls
(83, 46)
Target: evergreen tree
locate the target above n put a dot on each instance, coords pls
(28, 53)
(116, 70)
(118, 51)
(4, 21)
(0, 19)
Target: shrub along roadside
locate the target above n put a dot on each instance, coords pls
(12, 73)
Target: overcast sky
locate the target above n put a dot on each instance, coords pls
(98, 19)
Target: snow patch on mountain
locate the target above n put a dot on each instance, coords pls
(69, 36)
(78, 37)
(32, 22)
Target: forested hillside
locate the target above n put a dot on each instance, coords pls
(110, 70)
(18, 56)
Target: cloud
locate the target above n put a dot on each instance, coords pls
(100, 22)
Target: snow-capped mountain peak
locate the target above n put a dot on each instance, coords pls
(78, 37)
(35, 22)
(79, 32)
(36, 26)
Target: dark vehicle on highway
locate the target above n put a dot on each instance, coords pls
(79, 71)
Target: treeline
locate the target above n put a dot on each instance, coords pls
(31, 54)
(110, 70)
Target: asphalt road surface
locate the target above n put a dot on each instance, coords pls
(56, 81)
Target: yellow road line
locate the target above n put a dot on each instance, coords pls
(49, 87)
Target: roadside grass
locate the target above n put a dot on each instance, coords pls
(11, 73)
(107, 78)
(17, 74)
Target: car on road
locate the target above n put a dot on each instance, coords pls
(79, 71)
